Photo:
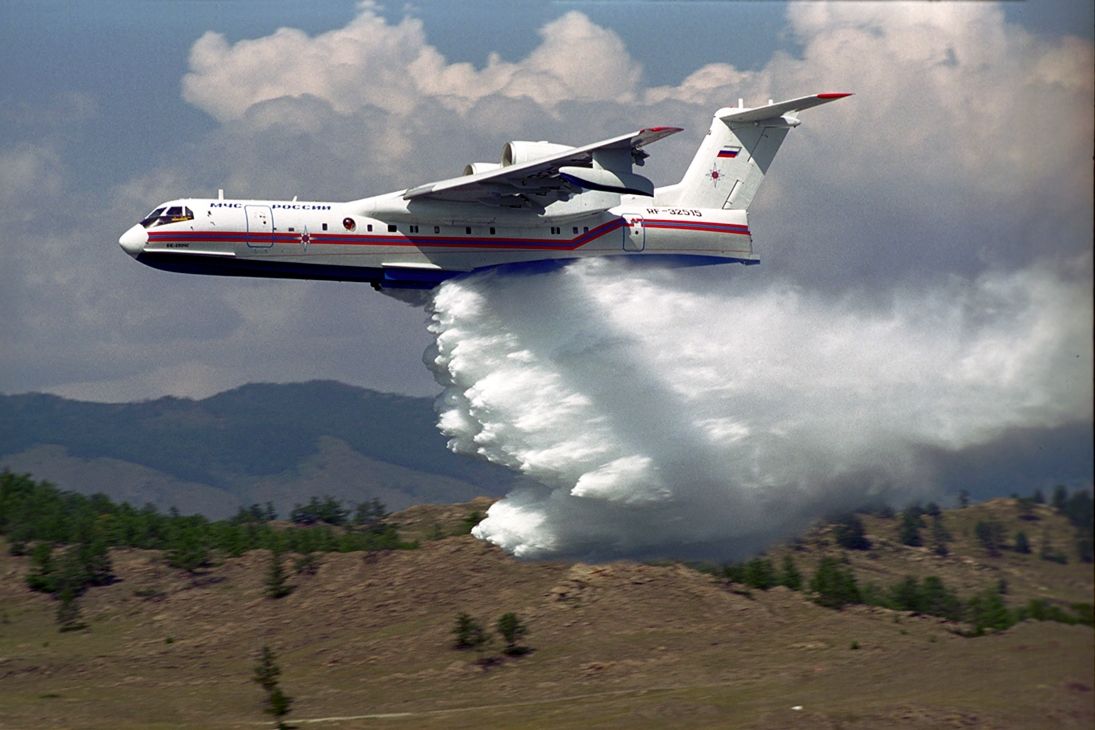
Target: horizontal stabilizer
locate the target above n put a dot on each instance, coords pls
(775, 111)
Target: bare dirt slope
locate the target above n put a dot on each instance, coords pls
(367, 639)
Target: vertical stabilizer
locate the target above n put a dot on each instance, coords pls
(736, 153)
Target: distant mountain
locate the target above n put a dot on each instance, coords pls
(256, 443)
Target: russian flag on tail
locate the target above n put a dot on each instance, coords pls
(729, 152)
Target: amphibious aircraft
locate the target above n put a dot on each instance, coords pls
(542, 202)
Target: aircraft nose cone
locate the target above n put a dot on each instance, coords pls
(133, 240)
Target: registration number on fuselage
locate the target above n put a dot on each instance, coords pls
(675, 211)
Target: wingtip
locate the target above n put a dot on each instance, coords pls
(835, 94)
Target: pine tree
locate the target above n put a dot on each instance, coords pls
(991, 536)
(68, 611)
(850, 533)
(905, 595)
(266, 676)
(94, 556)
(267, 671)
(187, 549)
(986, 610)
(936, 600)
(277, 584)
(909, 532)
(42, 576)
(1022, 543)
(279, 705)
(512, 630)
(834, 584)
(940, 536)
(469, 633)
(790, 577)
(760, 573)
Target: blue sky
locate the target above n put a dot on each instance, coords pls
(95, 128)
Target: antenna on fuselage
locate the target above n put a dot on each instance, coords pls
(220, 193)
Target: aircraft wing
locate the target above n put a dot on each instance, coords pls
(536, 183)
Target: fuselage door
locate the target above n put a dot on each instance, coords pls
(260, 226)
(634, 233)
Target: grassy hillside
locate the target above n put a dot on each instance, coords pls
(367, 638)
(258, 442)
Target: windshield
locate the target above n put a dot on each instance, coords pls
(152, 217)
(160, 216)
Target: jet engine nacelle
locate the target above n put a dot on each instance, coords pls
(477, 167)
(516, 153)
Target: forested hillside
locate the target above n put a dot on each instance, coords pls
(340, 615)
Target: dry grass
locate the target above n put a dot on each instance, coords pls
(616, 645)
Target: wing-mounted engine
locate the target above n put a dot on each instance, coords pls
(474, 168)
(518, 153)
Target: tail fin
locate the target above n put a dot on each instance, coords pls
(730, 164)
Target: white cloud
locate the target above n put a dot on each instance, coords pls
(392, 67)
(28, 171)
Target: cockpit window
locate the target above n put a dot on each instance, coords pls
(174, 214)
(151, 218)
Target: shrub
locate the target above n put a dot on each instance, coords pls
(790, 577)
(909, 530)
(512, 630)
(468, 633)
(990, 534)
(834, 584)
(850, 533)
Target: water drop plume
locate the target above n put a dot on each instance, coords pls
(686, 413)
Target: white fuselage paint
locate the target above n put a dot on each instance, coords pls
(327, 240)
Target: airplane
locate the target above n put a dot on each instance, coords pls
(543, 203)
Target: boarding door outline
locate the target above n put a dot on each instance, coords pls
(260, 226)
(634, 233)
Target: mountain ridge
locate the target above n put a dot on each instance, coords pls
(249, 443)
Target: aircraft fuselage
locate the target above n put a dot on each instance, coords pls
(333, 241)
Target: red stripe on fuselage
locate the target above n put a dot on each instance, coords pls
(420, 241)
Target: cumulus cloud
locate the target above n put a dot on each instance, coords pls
(674, 414)
(372, 63)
